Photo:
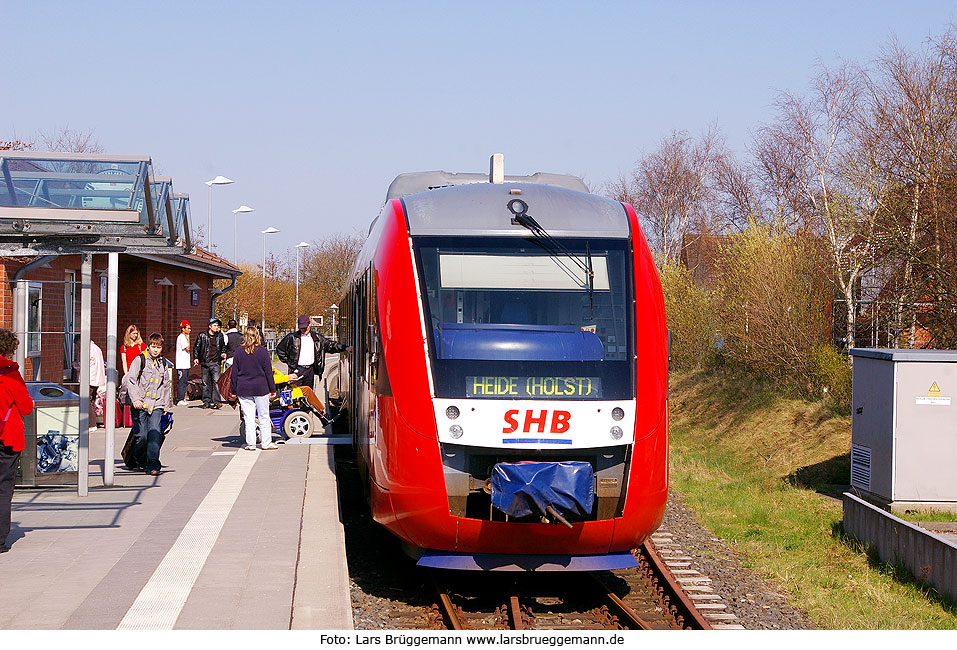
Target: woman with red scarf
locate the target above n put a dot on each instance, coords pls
(15, 402)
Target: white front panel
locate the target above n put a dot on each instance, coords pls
(535, 424)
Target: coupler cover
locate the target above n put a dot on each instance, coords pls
(522, 489)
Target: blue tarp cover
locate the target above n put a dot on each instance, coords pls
(522, 489)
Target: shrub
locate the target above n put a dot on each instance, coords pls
(690, 313)
(774, 294)
(832, 376)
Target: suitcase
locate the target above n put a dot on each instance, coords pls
(166, 425)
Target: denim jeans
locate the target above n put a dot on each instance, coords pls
(182, 376)
(149, 437)
(254, 407)
(211, 373)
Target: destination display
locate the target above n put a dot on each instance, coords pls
(533, 387)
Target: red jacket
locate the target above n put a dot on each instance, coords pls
(13, 392)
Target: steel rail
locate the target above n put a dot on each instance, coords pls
(515, 614)
(631, 615)
(445, 602)
(672, 590)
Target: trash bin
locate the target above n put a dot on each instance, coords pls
(52, 431)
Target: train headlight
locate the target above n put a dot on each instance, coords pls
(616, 433)
(617, 414)
(456, 431)
(452, 412)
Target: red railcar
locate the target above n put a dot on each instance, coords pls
(507, 392)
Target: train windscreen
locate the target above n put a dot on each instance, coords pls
(516, 318)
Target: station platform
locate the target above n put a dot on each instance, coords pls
(222, 539)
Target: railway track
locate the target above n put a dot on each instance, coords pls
(646, 598)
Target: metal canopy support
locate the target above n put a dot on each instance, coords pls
(8, 180)
(112, 276)
(20, 320)
(86, 283)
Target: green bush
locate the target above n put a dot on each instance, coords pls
(690, 313)
(773, 293)
(832, 375)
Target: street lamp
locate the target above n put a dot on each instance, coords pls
(335, 310)
(219, 180)
(301, 244)
(244, 209)
(268, 231)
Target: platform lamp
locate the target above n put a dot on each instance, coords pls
(268, 231)
(301, 244)
(241, 209)
(219, 180)
(335, 310)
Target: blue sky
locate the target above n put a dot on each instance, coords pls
(314, 107)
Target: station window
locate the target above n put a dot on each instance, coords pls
(34, 317)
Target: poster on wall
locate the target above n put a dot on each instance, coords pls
(102, 288)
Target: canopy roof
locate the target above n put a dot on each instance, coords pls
(79, 202)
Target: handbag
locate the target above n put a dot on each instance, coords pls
(225, 390)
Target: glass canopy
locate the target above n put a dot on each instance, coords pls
(181, 219)
(68, 194)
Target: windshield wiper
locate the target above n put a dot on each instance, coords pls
(556, 249)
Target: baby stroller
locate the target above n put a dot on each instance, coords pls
(296, 411)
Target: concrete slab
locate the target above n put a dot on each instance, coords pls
(278, 560)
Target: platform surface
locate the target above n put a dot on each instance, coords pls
(222, 539)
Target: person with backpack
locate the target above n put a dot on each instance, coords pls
(148, 387)
(15, 402)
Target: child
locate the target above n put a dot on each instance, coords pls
(149, 391)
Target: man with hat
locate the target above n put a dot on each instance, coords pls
(209, 350)
(182, 359)
(304, 352)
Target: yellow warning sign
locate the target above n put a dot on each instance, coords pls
(934, 390)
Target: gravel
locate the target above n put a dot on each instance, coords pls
(757, 602)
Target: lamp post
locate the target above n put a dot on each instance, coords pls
(219, 180)
(262, 323)
(244, 209)
(301, 244)
(335, 310)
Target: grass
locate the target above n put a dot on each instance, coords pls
(755, 465)
(926, 515)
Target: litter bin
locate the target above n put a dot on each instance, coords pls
(52, 432)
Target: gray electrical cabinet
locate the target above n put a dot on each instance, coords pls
(904, 427)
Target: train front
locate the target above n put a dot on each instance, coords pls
(547, 362)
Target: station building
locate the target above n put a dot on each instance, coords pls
(155, 292)
(58, 208)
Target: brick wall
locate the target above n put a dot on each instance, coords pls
(151, 306)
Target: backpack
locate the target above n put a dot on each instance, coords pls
(124, 393)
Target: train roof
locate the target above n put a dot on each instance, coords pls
(415, 182)
(481, 208)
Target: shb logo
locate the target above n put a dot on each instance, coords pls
(560, 421)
